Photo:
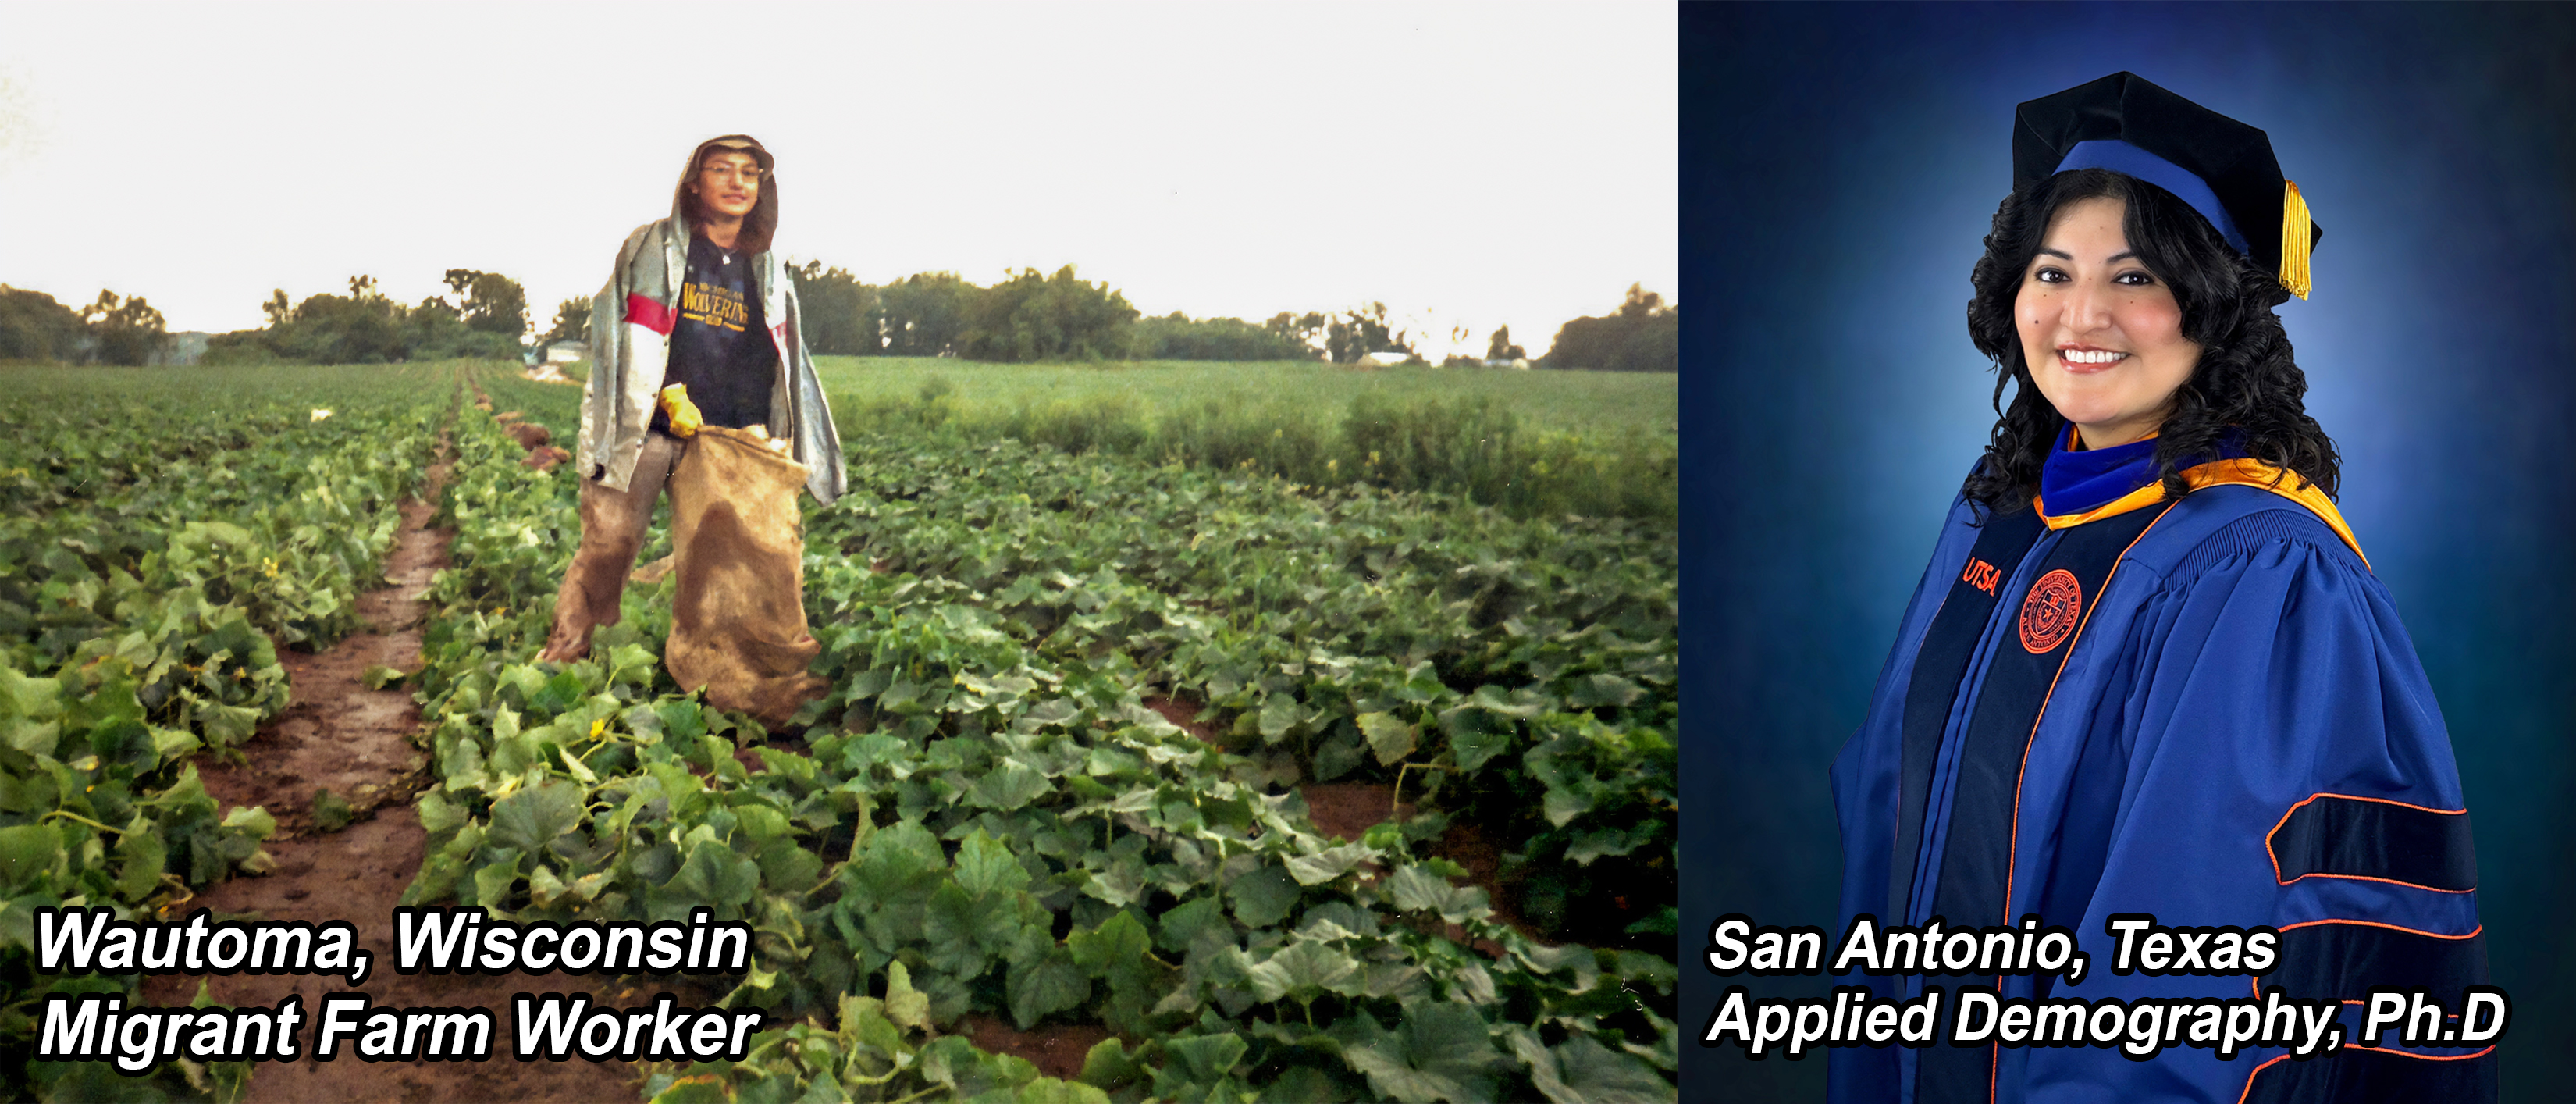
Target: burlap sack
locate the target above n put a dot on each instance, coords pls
(738, 612)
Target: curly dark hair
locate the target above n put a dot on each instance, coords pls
(2246, 382)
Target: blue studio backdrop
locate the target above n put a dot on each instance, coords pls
(1840, 166)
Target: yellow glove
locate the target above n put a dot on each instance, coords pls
(685, 418)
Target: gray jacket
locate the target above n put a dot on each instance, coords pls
(630, 345)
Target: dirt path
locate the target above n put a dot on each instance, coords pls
(355, 741)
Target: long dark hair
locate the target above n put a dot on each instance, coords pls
(2246, 380)
(761, 225)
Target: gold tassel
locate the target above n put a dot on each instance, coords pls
(2295, 239)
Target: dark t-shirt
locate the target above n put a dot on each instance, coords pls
(720, 343)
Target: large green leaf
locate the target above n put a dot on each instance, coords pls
(1279, 713)
(124, 743)
(1206, 1058)
(29, 697)
(1390, 737)
(1439, 1052)
(1594, 1074)
(715, 874)
(1009, 786)
(1603, 690)
(1340, 753)
(27, 708)
(1565, 803)
(1415, 887)
(1475, 735)
(1116, 950)
(985, 865)
(973, 926)
(1108, 1065)
(1304, 970)
(141, 857)
(1262, 897)
(1586, 847)
(1582, 1071)
(1329, 863)
(532, 816)
(1182, 924)
(1048, 1090)
(905, 1005)
(29, 854)
(900, 861)
(1051, 982)
(492, 880)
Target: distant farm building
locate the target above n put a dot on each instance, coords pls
(184, 348)
(566, 352)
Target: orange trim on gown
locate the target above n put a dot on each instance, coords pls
(2244, 471)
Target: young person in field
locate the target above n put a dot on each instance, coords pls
(698, 326)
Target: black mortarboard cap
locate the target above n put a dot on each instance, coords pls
(2220, 167)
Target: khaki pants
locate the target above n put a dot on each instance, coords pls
(612, 529)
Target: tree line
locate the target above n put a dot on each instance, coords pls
(1643, 335)
(112, 330)
(1027, 316)
(487, 318)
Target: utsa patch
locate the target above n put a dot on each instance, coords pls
(2049, 614)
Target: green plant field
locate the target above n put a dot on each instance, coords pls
(986, 815)
(52, 393)
(1538, 444)
(161, 532)
(1604, 404)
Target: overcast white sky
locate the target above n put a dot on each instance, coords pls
(1464, 163)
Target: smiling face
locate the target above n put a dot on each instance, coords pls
(2102, 335)
(727, 184)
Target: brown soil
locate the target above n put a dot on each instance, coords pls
(356, 741)
(339, 735)
(1347, 810)
(1183, 714)
(1056, 1049)
(545, 457)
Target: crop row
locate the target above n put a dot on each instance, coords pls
(153, 557)
(1518, 673)
(988, 819)
(1467, 445)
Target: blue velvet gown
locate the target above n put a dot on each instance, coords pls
(2204, 710)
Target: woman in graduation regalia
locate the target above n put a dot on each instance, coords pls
(2148, 670)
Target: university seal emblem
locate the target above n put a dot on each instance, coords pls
(2048, 616)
